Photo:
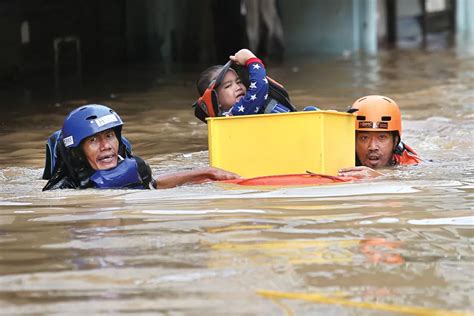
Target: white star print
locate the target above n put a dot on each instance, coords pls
(265, 80)
(253, 97)
(241, 108)
(256, 109)
(256, 66)
(253, 85)
(266, 96)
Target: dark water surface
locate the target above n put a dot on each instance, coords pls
(400, 244)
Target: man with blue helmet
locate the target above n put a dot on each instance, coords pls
(90, 152)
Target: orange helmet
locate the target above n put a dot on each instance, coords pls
(377, 113)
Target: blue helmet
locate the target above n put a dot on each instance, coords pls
(88, 120)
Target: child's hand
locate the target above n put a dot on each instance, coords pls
(242, 56)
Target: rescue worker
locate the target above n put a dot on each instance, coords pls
(378, 137)
(90, 152)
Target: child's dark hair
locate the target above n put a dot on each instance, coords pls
(206, 77)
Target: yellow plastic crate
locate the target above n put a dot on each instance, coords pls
(271, 144)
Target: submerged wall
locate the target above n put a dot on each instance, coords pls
(182, 32)
(465, 20)
(330, 27)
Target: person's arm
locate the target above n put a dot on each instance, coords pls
(361, 172)
(171, 180)
(257, 93)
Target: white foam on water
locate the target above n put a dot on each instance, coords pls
(195, 212)
(75, 217)
(388, 220)
(351, 189)
(10, 203)
(464, 220)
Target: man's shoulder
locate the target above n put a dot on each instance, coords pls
(406, 156)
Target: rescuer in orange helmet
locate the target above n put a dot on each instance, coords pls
(378, 137)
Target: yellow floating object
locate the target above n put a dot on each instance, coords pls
(239, 228)
(271, 144)
(323, 299)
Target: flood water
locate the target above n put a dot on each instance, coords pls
(402, 244)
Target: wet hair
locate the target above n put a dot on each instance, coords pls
(206, 77)
(396, 138)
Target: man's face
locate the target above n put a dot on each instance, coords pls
(374, 149)
(231, 90)
(101, 150)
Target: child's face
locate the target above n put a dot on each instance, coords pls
(231, 90)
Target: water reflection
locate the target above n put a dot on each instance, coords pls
(401, 244)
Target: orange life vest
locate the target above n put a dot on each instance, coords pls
(404, 155)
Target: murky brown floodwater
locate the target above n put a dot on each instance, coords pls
(214, 250)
